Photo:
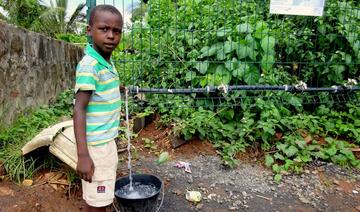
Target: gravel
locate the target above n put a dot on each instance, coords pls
(251, 187)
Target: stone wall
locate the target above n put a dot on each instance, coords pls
(34, 69)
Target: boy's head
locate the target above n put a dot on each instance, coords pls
(105, 27)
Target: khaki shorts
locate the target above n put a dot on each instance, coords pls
(100, 192)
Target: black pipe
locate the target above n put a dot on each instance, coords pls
(213, 89)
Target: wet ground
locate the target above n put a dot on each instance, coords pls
(249, 187)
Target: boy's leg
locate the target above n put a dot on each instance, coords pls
(100, 192)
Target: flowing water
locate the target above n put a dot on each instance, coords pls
(139, 191)
(129, 141)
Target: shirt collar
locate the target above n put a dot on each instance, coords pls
(89, 50)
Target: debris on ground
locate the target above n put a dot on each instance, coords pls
(27, 182)
(61, 141)
(185, 165)
(193, 196)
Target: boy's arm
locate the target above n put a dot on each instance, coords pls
(85, 165)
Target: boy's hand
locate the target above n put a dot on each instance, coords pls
(123, 89)
(85, 168)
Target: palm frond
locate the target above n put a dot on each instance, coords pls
(52, 21)
(76, 16)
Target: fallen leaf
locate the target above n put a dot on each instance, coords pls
(6, 191)
(57, 176)
(308, 139)
(27, 182)
(49, 175)
(54, 186)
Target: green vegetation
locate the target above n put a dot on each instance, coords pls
(54, 20)
(72, 38)
(201, 43)
(21, 13)
(13, 138)
(50, 20)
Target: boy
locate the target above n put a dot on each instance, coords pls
(97, 109)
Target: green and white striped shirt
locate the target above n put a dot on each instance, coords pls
(94, 73)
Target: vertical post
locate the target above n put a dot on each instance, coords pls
(89, 4)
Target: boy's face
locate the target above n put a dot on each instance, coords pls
(105, 32)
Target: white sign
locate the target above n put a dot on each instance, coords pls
(297, 7)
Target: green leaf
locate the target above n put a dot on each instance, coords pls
(244, 51)
(348, 153)
(300, 143)
(163, 157)
(190, 75)
(209, 51)
(229, 46)
(207, 80)
(281, 146)
(222, 75)
(339, 159)
(252, 54)
(250, 41)
(305, 158)
(267, 62)
(276, 168)
(268, 44)
(221, 70)
(291, 151)
(295, 101)
(231, 64)
(223, 32)
(277, 178)
(251, 76)
(321, 155)
(228, 114)
(239, 72)
(204, 49)
(331, 151)
(201, 131)
(288, 163)
(269, 160)
(279, 156)
(244, 28)
(221, 55)
(202, 67)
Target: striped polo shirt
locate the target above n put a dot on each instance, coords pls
(94, 73)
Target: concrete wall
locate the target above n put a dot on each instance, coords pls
(34, 69)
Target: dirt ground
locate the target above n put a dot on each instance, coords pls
(249, 187)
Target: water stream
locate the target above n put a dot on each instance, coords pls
(136, 190)
(129, 140)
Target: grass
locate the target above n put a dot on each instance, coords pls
(14, 137)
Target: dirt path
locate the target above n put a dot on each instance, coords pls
(36, 198)
(249, 187)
